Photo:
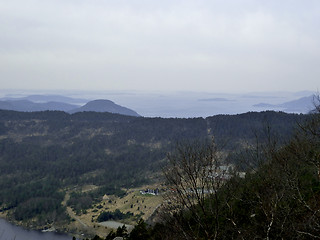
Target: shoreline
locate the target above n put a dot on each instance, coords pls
(29, 227)
(14, 228)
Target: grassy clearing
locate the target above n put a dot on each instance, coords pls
(142, 206)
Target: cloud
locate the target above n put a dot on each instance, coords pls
(181, 45)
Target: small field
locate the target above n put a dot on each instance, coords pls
(139, 205)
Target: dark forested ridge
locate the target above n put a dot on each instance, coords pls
(42, 153)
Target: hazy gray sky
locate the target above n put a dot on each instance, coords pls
(199, 45)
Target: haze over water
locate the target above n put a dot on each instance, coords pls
(179, 104)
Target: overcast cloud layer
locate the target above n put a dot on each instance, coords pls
(213, 45)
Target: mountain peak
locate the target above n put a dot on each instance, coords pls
(103, 105)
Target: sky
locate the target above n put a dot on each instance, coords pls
(167, 45)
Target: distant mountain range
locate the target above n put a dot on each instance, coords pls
(29, 106)
(303, 105)
(49, 98)
(183, 105)
(36, 103)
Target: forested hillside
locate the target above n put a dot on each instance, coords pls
(278, 198)
(44, 153)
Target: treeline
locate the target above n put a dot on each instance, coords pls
(116, 215)
(55, 125)
(253, 125)
(140, 232)
(44, 152)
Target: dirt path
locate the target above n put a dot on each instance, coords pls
(73, 215)
(70, 212)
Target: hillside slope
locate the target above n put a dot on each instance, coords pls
(42, 153)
